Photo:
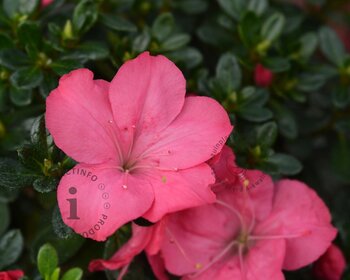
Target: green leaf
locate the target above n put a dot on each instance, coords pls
(311, 82)
(14, 7)
(249, 29)
(47, 260)
(59, 227)
(63, 66)
(141, 42)
(331, 46)
(13, 59)
(228, 73)
(175, 42)
(48, 83)
(4, 217)
(190, 57)
(29, 34)
(277, 64)
(341, 96)
(56, 274)
(13, 175)
(287, 124)
(163, 26)
(266, 134)
(26, 78)
(85, 15)
(258, 6)
(87, 51)
(8, 195)
(73, 274)
(308, 45)
(191, 7)
(11, 245)
(45, 184)
(65, 248)
(118, 23)
(272, 27)
(235, 8)
(285, 164)
(20, 97)
(254, 113)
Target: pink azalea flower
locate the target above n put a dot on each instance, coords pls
(151, 239)
(11, 274)
(242, 236)
(331, 265)
(141, 145)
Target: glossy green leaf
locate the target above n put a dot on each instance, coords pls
(14, 7)
(13, 175)
(331, 46)
(73, 274)
(29, 34)
(234, 8)
(266, 134)
(286, 164)
(258, 6)
(163, 26)
(272, 27)
(341, 96)
(11, 245)
(20, 97)
(228, 72)
(118, 23)
(175, 42)
(85, 15)
(47, 260)
(26, 78)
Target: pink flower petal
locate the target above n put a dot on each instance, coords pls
(157, 265)
(104, 199)
(298, 210)
(197, 134)
(147, 92)
(135, 245)
(331, 265)
(176, 191)
(77, 115)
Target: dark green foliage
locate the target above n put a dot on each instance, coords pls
(298, 126)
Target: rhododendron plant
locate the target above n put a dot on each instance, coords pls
(141, 145)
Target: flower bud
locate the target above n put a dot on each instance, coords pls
(263, 76)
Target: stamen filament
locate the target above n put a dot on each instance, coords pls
(216, 259)
(241, 262)
(283, 236)
(182, 251)
(239, 216)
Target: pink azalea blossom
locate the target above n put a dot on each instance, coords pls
(331, 265)
(151, 239)
(141, 145)
(240, 238)
(11, 274)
